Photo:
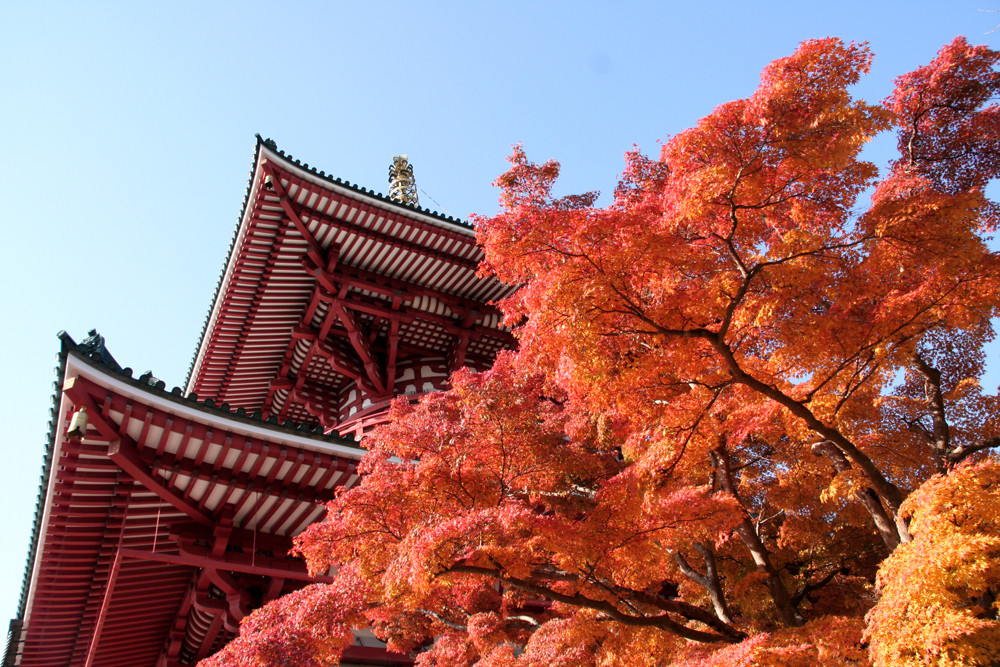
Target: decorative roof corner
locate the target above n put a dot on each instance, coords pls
(93, 346)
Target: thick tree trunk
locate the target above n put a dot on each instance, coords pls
(886, 527)
(758, 551)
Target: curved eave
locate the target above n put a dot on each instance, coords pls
(267, 150)
(306, 436)
(67, 344)
(206, 451)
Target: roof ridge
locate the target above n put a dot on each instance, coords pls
(271, 145)
(149, 382)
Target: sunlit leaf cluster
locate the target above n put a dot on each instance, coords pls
(744, 425)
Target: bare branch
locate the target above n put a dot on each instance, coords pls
(442, 620)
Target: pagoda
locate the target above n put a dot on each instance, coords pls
(165, 517)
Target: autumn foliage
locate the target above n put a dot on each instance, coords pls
(743, 426)
(939, 593)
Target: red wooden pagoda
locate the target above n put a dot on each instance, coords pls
(166, 517)
(335, 299)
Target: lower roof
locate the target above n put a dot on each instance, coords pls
(162, 521)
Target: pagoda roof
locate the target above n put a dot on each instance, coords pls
(146, 519)
(168, 515)
(331, 291)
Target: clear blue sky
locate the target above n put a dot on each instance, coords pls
(128, 129)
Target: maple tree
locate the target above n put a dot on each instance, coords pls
(939, 593)
(739, 398)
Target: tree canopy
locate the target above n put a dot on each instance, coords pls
(744, 424)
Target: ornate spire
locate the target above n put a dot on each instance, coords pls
(402, 186)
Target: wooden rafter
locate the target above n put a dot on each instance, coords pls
(381, 237)
(392, 353)
(362, 279)
(122, 451)
(361, 344)
(366, 210)
(255, 306)
(315, 251)
(230, 562)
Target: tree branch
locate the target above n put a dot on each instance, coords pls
(814, 586)
(886, 489)
(709, 581)
(883, 522)
(959, 454)
(750, 538)
(940, 437)
(661, 621)
(443, 621)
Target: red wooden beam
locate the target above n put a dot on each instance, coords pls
(323, 350)
(451, 325)
(361, 346)
(230, 562)
(462, 330)
(188, 535)
(456, 354)
(301, 212)
(125, 456)
(372, 281)
(282, 487)
(122, 451)
(315, 251)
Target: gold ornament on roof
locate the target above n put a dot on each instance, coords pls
(402, 186)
